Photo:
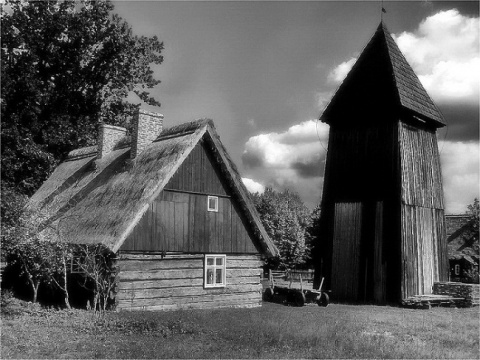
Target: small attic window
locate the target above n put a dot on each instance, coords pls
(212, 203)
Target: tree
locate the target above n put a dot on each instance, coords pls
(285, 219)
(313, 235)
(37, 261)
(66, 66)
(471, 232)
(96, 264)
(61, 256)
(34, 259)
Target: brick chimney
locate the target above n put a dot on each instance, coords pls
(108, 138)
(146, 128)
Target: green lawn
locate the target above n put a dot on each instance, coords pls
(272, 331)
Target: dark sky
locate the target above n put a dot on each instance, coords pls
(263, 71)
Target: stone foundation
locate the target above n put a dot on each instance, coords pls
(470, 292)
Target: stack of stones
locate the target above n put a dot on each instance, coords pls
(470, 292)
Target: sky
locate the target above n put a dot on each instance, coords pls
(264, 72)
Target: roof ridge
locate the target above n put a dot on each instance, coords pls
(172, 131)
(184, 128)
(392, 51)
(82, 152)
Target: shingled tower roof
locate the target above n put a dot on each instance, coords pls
(382, 82)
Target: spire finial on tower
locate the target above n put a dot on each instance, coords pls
(383, 11)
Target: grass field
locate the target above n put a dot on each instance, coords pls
(272, 331)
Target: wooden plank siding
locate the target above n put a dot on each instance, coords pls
(421, 177)
(181, 222)
(389, 177)
(422, 251)
(198, 173)
(178, 219)
(346, 239)
(359, 163)
(424, 255)
(358, 223)
(152, 283)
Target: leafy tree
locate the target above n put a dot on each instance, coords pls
(65, 66)
(36, 261)
(313, 235)
(471, 233)
(285, 219)
(11, 208)
(473, 210)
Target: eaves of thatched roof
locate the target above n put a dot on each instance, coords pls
(88, 200)
(382, 79)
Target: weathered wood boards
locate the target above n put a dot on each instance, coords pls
(382, 206)
(423, 238)
(367, 251)
(177, 283)
(346, 238)
(178, 219)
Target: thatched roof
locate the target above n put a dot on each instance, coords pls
(88, 200)
(382, 79)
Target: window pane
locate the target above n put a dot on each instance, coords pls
(209, 276)
(211, 204)
(219, 261)
(219, 277)
(210, 261)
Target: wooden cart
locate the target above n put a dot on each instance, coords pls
(283, 286)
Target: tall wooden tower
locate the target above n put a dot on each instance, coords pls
(383, 228)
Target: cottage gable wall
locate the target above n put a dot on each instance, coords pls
(178, 219)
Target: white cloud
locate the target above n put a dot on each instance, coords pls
(299, 144)
(322, 98)
(444, 52)
(460, 168)
(253, 186)
(340, 71)
(292, 159)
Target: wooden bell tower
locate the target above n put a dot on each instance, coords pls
(382, 223)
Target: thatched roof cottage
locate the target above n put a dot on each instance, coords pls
(171, 204)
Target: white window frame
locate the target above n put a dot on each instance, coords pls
(215, 208)
(457, 269)
(215, 267)
(74, 267)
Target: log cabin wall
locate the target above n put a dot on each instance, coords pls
(424, 248)
(178, 219)
(155, 282)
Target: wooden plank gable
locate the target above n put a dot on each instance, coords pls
(178, 219)
(199, 173)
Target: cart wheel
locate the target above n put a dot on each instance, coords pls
(268, 294)
(299, 298)
(323, 299)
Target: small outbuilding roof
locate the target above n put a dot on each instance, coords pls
(89, 200)
(382, 77)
